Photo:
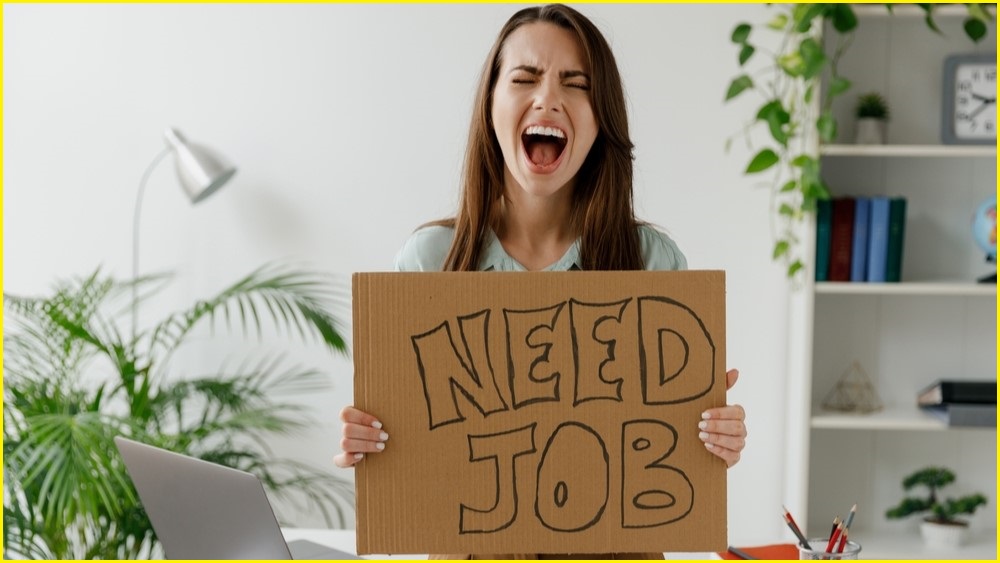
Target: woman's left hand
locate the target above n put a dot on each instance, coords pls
(722, 429)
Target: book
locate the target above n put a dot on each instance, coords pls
(963, 414)
(859, 241)
(824, 211)
(894, 250)
(951, 391)
(878, 238)
(841, 232)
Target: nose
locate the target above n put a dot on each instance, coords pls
(548, 96)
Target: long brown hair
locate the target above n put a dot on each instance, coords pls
(602, 199)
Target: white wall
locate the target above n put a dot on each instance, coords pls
(347, 123)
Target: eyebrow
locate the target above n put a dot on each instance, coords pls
(563, 74)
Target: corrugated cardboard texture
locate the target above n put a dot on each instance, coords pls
(549, 412)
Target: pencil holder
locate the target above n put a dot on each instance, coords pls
(851, 550)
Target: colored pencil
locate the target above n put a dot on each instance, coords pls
(836, 536)
(795, 529)
(847, 526)
(740, 553)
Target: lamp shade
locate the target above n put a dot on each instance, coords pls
(201, 170)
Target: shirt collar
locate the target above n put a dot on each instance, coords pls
(495, 258)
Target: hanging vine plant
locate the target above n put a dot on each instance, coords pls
(794, 74)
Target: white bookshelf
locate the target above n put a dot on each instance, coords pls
(937, 323)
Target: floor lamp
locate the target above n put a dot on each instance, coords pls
(201, 172)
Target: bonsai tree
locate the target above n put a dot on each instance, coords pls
(941, 511)
(872, 105)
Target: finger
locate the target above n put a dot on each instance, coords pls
(352, 415)
(729, 412)
(368, 433)
(724, 427)
(347, 459)
(733, 443)
(731, 457)
(731, 377)
(361, 446)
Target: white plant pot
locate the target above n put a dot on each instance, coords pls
(869, 131)
(944, 535)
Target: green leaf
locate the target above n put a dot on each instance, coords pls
(838, 85)
(813, 58)
(789, 186)
(738, 85)
(804, 14)
(741, 32)
(780, 249)
(978, 12)
(777, 119)
(786, 210)
(843, 18)
(792, 64)
(746, 52)
(778, 22)
(794, 268)
(826, 126)
(975, 29)
(808, 95)
(763, 160)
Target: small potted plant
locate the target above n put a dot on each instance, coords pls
(872, 113)
(941, 527)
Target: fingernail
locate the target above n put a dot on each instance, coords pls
(377, 424)
(703, 436)
(703, 425)
(359, 456)
(380, 446)
(706, 415)
(709, 446)
(383, 436)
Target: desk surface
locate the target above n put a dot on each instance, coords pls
(344, 540)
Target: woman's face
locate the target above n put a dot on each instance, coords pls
(542, 115)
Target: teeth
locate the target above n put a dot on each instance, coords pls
(548, 131)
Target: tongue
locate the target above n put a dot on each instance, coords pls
(543, 153)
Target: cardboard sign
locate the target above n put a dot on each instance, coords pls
(548, 412)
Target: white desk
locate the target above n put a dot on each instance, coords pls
(344, 540)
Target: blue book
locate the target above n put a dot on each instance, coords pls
(859, 248)
(878, 239)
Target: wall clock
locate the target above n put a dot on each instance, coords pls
(969, 112)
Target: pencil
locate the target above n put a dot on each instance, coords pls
(740, 553)
(833, 527)
(795, 529)
(843, 541)
(835, 537)
(847, 526)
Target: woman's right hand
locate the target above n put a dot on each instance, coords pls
(362, 434)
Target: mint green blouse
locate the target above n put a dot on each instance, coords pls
(427, 248)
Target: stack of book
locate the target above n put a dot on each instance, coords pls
(860, 239)
(961, 402)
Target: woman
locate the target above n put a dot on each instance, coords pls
(547, 186)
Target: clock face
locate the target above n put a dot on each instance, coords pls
(975, 97)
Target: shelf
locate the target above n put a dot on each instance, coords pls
(959, 289)
(880, 544)
(949, 151)
(879, 10)
(891, 417)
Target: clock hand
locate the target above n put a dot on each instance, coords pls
(984, 99)
(981, 107)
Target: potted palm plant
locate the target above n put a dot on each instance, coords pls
(941, 527)
(74, 378)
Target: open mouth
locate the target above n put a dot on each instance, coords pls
(543, 145)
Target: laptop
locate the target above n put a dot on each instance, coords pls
(202, 510)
